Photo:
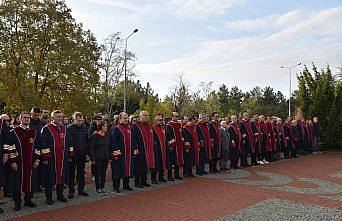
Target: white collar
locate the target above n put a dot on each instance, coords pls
(25, 128)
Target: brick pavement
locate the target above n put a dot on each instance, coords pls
(217, 197)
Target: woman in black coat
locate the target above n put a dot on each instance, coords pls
(99, 153)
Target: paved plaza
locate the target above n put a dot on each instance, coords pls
(306, 188)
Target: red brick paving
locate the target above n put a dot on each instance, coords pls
(203, 198)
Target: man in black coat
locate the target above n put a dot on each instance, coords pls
(79, 135)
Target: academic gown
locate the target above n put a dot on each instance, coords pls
(257, 137)
(203, 135)
(56, 147)
(25, 152)
(121, 143)
(4, 136)
(248, 144)
(175, 142)
(144, 143)
(215, 140)
(265, 138)
(160, 147)
(191, 157)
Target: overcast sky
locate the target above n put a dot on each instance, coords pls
(235, 42)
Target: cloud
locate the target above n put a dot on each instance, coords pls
(201, 9)
(270, 22)
(255, 60)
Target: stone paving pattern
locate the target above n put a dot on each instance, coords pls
(263, 193)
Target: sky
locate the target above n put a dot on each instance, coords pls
(234, 42)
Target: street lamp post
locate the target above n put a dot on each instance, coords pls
(125, 80)
(290, 81)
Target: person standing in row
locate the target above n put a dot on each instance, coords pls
(144, 143)
(23, 158)
(203, 135)
(99, 155)
(225, 139)
(215, 142)
(79, 135)
(235, 139)
(160, 150)
(123, 152)
(175, 144)
(191, 154)
(57, 150)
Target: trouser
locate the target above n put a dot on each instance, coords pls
(140, 178)
(48, 190)
(93, 170)
(100, 173)
(200, 168)
(234, 157)
(154, 173)
(315, 147)
(169, 171)
(116, 183)
(17, 196)
(224, 159)
(269, 156)
(253, 158)
(213, 165)
(76, 167)
(244, 156)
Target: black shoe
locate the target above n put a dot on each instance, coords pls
(30, 204)
(199, 174)
(116, 190)
(1, 211)
(204, 172)
(70, 196)
(146, 184)
(178, 177)
(191, 175)
(62, 199)
(83, 193)
(162, 179)
(154, 182)
(128, 188)
(49, 201)
(170, 179)
(17, 206)
(139, 185)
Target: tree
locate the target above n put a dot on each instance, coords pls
(112, 66)
(235, 100)
(46, 58)
(179, 95)
(319, 95)
(223, 98)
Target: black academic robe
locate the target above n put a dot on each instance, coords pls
(257, 137)
(190, 144)
(26, 151)
(215, 139)
(56, 147)
(121, 143)
(144, 143)
(247, 142)
(160, 147)
(288, 130)
(265, 138)
(235, 141)
(4, 135)
(175, 142)
(203, 135)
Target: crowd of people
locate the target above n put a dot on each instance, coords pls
(43, 152)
